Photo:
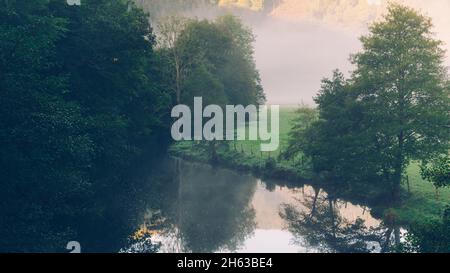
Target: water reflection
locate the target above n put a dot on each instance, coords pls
(218, 210)
(211, 212)
(323, 223)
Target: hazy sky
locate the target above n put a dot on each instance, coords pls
(293, 58)
(294, 53)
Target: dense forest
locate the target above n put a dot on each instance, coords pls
(86, 95)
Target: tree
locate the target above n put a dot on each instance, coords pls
(337, 139)
(305, 118)
(213, 60)
(438, 172)
(169, 30)
(392, 110)
(403, 86)
(239, 75)
(222, 50)
(112, 75)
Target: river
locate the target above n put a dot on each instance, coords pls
(212, 209)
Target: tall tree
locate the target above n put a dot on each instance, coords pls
(169, 30)
(224, 49)
(239, 74)
(339, 140)
(392, 110)
(403, 86)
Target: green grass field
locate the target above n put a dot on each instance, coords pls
(422, 204)
(287, 114)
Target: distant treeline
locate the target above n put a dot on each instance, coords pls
(86, 96)
(160, 7)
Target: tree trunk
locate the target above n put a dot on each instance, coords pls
(316, 196)
(178, 80)
(213, 152)
(333, 221)
(398, 170)
(387, 237)
(397, 235)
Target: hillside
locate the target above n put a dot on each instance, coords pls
(345, 12)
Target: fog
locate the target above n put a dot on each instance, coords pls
(294, 53)
(293, 58)
(302, 41)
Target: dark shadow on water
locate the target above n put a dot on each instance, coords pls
(212, 209)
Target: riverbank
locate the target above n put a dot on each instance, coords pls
(246, 155)
(419, 204)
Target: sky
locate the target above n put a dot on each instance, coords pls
(295, 49)
(293, 58)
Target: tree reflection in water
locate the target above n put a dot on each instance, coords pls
(206, 209)
(318, 223)
(209, 215)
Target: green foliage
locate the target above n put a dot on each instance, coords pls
(201, 83)
(429, 237)
(203, 47)
(38, 128)
(403, 86)
(85, 98)
(438, 172)
(211, 59)
(338, 139)
(81, 103)
(393, 110)
(239, 74)
(305, 117)
(219, 51)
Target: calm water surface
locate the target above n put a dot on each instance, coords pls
(217, 210)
